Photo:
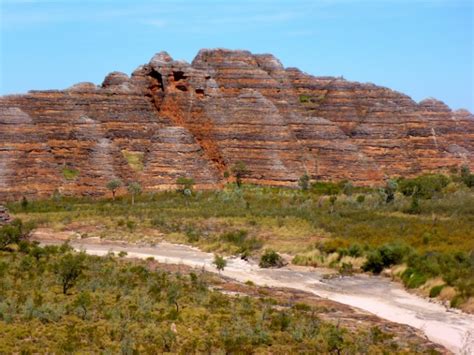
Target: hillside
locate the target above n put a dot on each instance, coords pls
(172, 119)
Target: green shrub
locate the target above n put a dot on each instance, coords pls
(390, 189)
(423, 186)
(240, 239)
(305, 99)
(235, 237)
(466, 176)
(348, 188)
(412, 278)
(193, 235)
(219, 262)
(414, 206)
(392, 254)
(374, 262)
(346, 269)
(271, 258)
(436, 290)
(355, 250)
(342, 252)
(134, 159)
(185, 183)
(326, 188)
(303, 182)
(332, 245)
(457, 301)
(131, 225)
(70, 173)
(14, 232)
(469, 180)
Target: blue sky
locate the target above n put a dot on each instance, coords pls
(423, 48)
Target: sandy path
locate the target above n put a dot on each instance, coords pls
(377, 295)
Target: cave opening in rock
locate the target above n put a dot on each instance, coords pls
(178, 75)
(200, 91)
(182, 87)
(159, 78)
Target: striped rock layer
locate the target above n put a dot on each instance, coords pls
(171, 119)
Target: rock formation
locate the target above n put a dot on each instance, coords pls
(4, 216)
(171, 119)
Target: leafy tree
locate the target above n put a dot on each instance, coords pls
(219, 262)
(14, 232)
(303, 182)
(185, 183)
(69, 268)
(134, 188)
(239, 170)
(113, 186)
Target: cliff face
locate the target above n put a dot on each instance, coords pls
(172, 119)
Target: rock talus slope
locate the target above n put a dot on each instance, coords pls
(171, 119)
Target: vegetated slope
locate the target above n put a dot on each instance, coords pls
(424, 232)
(172, 119)
(114, 306)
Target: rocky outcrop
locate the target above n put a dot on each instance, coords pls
(4, 216)
(171, 119)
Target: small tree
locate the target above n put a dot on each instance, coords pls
(14, 233)
(83, 302)
(390, 189)
(303, 182)
(348, 188)
(239, 170)
(24, 203)
(69, 268)
(465, 171)
(466, 176)
(113, 186)
(332, 202)
(173, 294)
(134, 188)
(185, 184)
(335, 340)
(219, 262)
(414, 206)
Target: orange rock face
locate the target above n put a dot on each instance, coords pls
(172, 119)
